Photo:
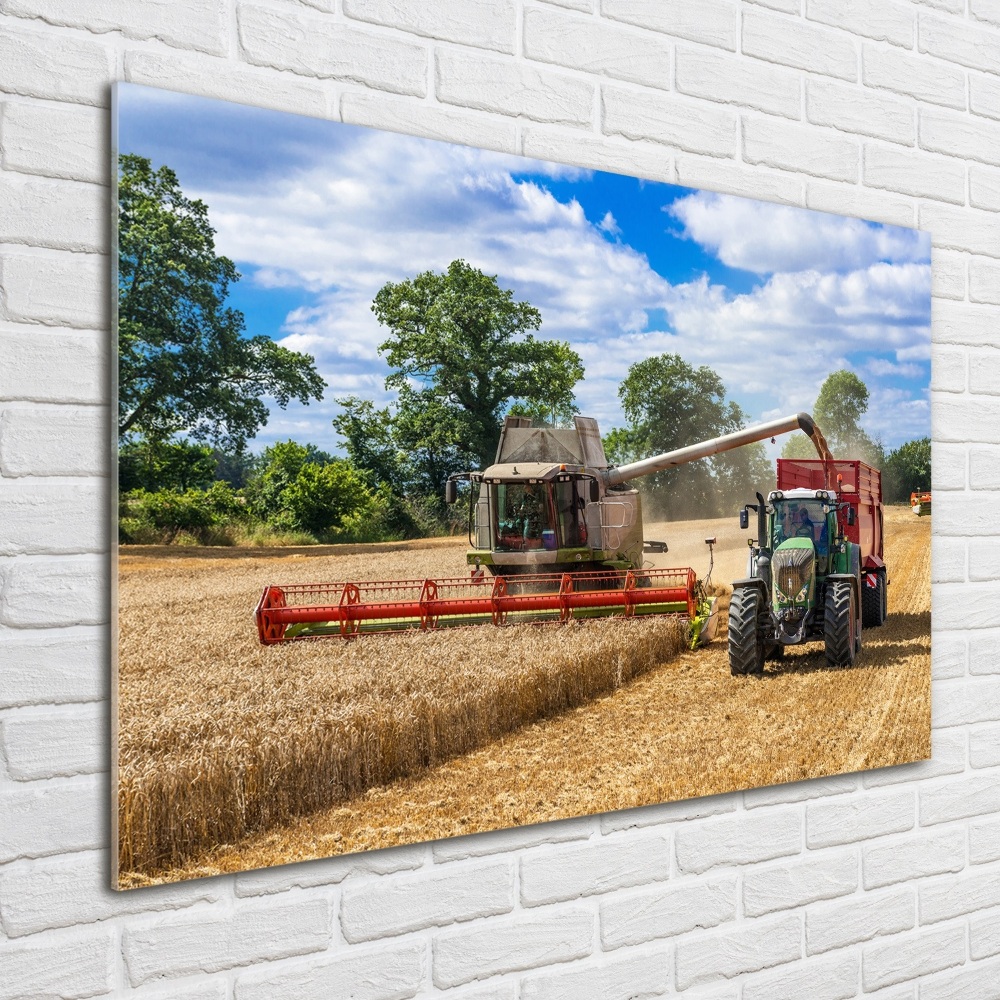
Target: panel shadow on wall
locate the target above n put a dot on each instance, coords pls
(397, 396)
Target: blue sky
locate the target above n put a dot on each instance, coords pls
(319, 215)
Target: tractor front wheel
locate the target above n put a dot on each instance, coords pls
(746, 644)
(840, 624)
(873, 602)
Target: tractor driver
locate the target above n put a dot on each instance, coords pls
(803, 524)
(530, 513)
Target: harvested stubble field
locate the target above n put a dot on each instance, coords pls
(224, 743)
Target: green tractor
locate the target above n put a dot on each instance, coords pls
(804, 582)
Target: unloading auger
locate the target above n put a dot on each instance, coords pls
(559, 532)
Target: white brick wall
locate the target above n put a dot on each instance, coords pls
(886, 884)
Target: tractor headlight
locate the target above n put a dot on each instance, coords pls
(803, 593)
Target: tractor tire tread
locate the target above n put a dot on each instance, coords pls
(746, 647)
(873, 602)
(838, 625)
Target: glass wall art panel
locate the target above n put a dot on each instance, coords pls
(460, 491)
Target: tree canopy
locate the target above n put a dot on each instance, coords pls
(840, 405)
(670, 404)
(907, 470)
(184, 362)
(466, 341)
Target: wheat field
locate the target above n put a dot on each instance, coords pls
(225, 766)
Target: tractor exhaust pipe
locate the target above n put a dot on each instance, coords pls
(681, 456)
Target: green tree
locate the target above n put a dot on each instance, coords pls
(467, 342)
(151, 464)
(907, 470)
(184, 363)
(670, 404)
(840, 405)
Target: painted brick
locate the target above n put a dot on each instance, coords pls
(737, 178)
(72, 891)
(983, 371)
(209, 942)
(947, 897)
(984, 746)
(76, 69)
(978, 608)
(51, 366)
(667, 911)
(668, 812)
(58, 966)
(958, 42)
(329, 871)
(904, 958)
(984, 187)
(984, 653)
(913, 858)
(39, 137)
(959, 136)
(860, 918)
(966, 702)
(511, 945)
(514, 839)
(56, 289)
(961, 229)
(949, 371)
(211, 990)
(947, 282)
(787, 6)
(43, 212)
(951, 6)
(50, 667)
(52, 441)
(189, 24)
(826, 979)
(740, 839)
(786, 886)
(959, 798)
(487, 24)
(44, 519)
(984, 96)
(902, 73)
(400, 114)
(798, 147)
(859, 817)
(44, 592)
(799, 791)
(923, 176)
(711, 22)
(875, 19)
(984, 280)
(389, 906)
(322, 47)
(755, 945)
(985, 10)
(689, 126)
(595, 867)
(383, 973)
(948, 560)
(984, 936)
(512, 88)
(855, 109)
(952, 461)
(949, 656)
(978, 981)
(264, 87)
(599, 152)
(643, 975)
(959, 323)
(56, 744)
(731, 80)
(51, 818)
(799, 44)
(984, 468)
(596, 47)
(861, 203)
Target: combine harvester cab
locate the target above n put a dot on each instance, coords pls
(558, 529)
(816, 570)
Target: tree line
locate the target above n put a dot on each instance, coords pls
(462, 353)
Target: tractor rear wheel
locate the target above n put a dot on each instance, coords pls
(873, 602)
(746, 643)
(840, 624)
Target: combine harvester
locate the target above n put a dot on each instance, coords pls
(558, 529)
(920, 504)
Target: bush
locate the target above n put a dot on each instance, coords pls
(169, 516)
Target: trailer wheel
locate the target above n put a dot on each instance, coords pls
(746, 643)
(873, 601)
(840, 624)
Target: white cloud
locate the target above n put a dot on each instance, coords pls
(609, 225)
(763, 238)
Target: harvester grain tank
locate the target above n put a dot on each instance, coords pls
(816, 570)
(560, 531)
